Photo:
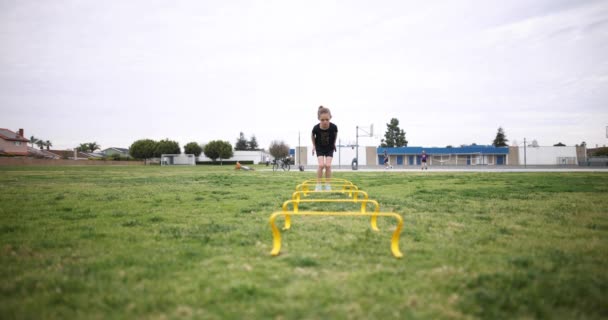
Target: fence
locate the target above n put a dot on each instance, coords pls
(64, 162)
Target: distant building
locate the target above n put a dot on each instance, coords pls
(458, 156)
(70, 154)
(177, 159)
(549, 155)
(13, 143)
(243, 156)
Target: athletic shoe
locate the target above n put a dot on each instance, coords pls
(327, 187)
(318, 187)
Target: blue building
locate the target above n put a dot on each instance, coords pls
(459, 156)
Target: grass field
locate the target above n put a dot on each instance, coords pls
(194, 242)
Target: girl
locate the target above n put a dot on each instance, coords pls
(324, 136)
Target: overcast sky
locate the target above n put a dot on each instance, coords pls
(451, 72)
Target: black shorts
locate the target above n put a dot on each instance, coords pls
(325, 153)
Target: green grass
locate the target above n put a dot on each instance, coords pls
(194, 242)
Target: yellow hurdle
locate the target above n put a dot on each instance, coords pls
(342, 187)
(297, 195)
(339, 180)
(276, 234)
(339, 186)
(343, 184)
(364, 202)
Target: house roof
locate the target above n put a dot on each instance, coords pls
(121, 150)
(436, 151)
(11, 136)
(41, 153)
(69, 153)
(92, 154)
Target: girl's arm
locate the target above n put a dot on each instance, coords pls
(313, 144)
(336, 139)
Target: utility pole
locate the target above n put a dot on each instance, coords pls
(369, 133)
(357, 146)
(525, 162)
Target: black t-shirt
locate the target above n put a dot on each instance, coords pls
(325, 140)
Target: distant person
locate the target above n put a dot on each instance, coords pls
(267, 161)
(242, 167)
(387, 163)
(324, 136)
(423, 158)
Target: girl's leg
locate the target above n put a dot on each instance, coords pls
(321, 162)
(328, 168)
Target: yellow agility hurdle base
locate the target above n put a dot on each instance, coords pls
(363, 202)
(276, 234)
(356, 197)
(343, 185)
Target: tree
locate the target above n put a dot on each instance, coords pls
(93, 146)
(88, 147)
(40, 144)
(241, 142)
(278, 149)
(218, 149)
(600, 152)
(48, 144)
(474, 144)
(394, 137)
(534, 144)
(559, 144)
(167, 146)
(33, 140)
(253, 143)
(193, 148)
(143, 149)
(501, 139)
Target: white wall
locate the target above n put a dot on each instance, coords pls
(546, 155)
(178, 159)
(255, 156)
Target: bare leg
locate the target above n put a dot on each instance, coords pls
(328, 168)
(321, 162)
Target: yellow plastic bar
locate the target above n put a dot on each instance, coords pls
(328, 180)
(297, 195)
(325, 181)
(334, 182)
(364, 202)
(308, 186)
(276, 234)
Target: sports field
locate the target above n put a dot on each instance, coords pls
(194, 243)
